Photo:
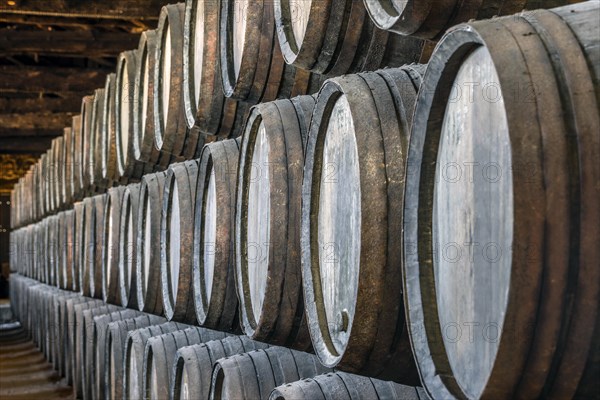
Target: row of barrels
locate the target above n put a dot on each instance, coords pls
(452, 227)
(185, 86)
(109, 352)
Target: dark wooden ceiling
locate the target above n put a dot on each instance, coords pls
(52, 53)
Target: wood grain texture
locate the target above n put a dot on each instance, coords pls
(127, 245)
(534, 221)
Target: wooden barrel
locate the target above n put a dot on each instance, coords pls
(68, 147)
(115, 341)
(430, 21)
(95, 134)
(252, 66)
(143, 104)
(52, 250)
(107, 147)
(86, 128)
(78, 344)
(267, 222)
(337, 37)
(351, 219)
(147, 266)
(516, 319)
(176, 238)
(61, 328)
(98, 266)
(68, 249)
(69, 329)
(56, 167)
(255, 374)
(127, 247)
(203, 98)
(87, 348)
(99, 348)
(79, 229)
(169, 119)
(213, 275)
(77, 158)
(128, 168)
(111, 292)
(159, 357)
(89, 252)
(192, 371)
(133, 359)
(344, 386)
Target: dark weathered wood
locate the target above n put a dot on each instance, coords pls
(31, 122)
(127, 247)
(429, 20)
(78, 343)
(252, 66)
(133, 359)
(335, 37)
(351, 216)
(255, 374)
(525, 269)
(176, 234)
(89, 9)
(79, 244)
(267, 222)
(169, 124)
(159, 358)
(65, 43)
(49, 79)
(69, 103)
(115, 341)
(214, 296)
(194, 364)
(148, 270)
(344, 386)
(108, 149)
(111, 239)
(24, 145)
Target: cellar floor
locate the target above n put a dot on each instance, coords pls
(24, 373)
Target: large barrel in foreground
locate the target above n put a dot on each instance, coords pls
(352, 219)
(501, 216)
(267, 223)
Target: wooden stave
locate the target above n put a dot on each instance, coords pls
(495, 35)
(110, 248)
(185, 176)
(368, 351)
(115, 340)
(289, 119)
(68, 249)
(170, 138)
(79, 246)
(219, 313)
(69, 331)
(99, 220)
(135, 344)
(159, 356)
(198, 361)
(128, 246)
(67, 177)
(432, 20)
(100, 326)
(61, 331)
(257, 373)
(89, 243)
(149, 300)
(342, 385)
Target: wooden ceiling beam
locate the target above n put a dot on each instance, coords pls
(130, 26)
(50, 79)
(67, 43)
(20, 145)
(29, 134)
(113, 9)
(36, 121)
(71, 103)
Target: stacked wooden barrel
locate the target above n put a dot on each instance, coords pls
(432, 225)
